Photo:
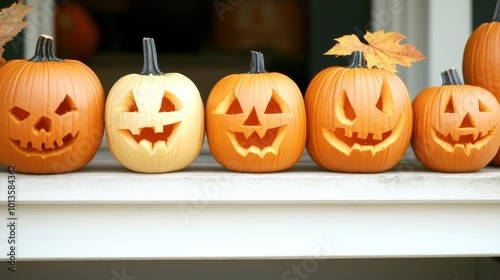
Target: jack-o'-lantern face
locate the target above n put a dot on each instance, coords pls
(368, 123)
(258, 128)
(455, 126)
(42, 139)
(150, 122)
(256, 121)
(154, 123)
(51, 113)
(463, 129)
(359, 119)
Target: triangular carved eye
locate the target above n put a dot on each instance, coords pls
(276, 105)
(66, 106)
(345, 108)
(170, 103)
(234, 108)
(482, 107)
(385, 102)
(19, 113)
(273, 107)
(167, 105)
(133, 106)
(450, 106)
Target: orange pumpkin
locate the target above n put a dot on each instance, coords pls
(358, 119)
(52, 112)
(481, 60)
(256, 121)
(455, 126)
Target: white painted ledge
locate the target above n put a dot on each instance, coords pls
(105, 181)
(105, 212)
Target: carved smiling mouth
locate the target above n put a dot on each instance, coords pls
(466, 142)
(148, 138)
(347, 142)
(45, 150)
(254, 143)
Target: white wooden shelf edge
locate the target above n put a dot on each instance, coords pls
(104, 181)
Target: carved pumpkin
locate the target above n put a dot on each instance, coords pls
(455, 126)
(256, 121)
(52, 112)
(359, 119)
(154, 121)
(481, 59)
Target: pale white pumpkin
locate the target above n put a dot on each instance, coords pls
(154, 122)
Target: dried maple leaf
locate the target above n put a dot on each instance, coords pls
(11, 23)
(383, 51)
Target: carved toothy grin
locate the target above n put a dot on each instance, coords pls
(45, 149)
(347, 141)
(466, 142)
(254, 143)
(148, 137)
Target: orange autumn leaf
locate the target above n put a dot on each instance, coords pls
(11, 23)
(383, 50)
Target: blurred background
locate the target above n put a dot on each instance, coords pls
(208, 39)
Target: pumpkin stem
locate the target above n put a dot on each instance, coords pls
(150, 58)
(357, 60)
(451, 77)
(257, 63)
(44, 50)
(496, 15)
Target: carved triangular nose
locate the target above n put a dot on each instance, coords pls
(467, 122)
(43, 123)
(253, 119)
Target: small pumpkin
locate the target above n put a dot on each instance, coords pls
(359, 119)
(455, 126)
(52, 112)
(481, 59)
(154, 122)
(256, 121)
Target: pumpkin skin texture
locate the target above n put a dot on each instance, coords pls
(481, 59)
(154, 122)
(359, 119)
(256, 121)
(455, 126)
(52, 112)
